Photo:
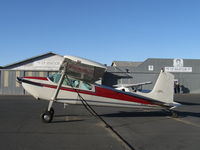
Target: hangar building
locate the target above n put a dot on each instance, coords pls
(41, 66)
(186, 71)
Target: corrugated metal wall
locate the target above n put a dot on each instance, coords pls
(9, 85)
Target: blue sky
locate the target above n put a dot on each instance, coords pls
(101, 30)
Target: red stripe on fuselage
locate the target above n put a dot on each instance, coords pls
(104, 92)
(37, 78)
(99, 91)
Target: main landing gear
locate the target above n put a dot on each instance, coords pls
(47, 116)
(173, 114)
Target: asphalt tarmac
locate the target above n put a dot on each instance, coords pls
(73, 128)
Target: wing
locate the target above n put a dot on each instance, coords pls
(82, 69)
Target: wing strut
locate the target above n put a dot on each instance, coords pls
(57, 91)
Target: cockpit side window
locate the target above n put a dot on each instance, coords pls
(70, 82)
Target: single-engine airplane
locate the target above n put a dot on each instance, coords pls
(75, 82)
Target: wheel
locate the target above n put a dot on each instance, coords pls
(47, 117)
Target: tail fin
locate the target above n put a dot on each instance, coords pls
(164, 88)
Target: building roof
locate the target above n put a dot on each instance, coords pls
(9, 66)
(126, 63)
(119, 69)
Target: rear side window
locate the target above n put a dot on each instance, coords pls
(71, 82)
(85, 86)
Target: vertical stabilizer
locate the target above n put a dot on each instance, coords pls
(164, 88)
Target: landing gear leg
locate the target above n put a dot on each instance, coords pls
(47, 116)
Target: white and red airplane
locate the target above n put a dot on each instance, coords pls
(75, 84)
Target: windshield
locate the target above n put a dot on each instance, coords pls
(70, 82)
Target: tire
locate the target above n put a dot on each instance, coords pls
(47, 117)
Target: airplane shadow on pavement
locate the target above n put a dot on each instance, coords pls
(181, 114)
(68, 118)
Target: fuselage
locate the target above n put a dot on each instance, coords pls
(73, 90)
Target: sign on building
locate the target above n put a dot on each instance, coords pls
(150, 67)
(49, 63)
(178, 66)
